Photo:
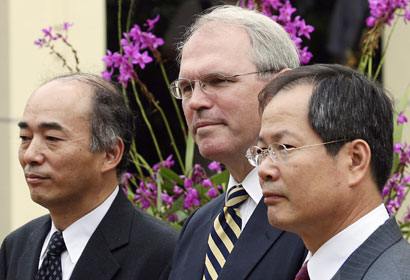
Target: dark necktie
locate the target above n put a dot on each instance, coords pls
(51, 267)
(225, 232)
(303, 273)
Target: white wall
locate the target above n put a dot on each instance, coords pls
(396, 75)
(23, 67)
(5, 169)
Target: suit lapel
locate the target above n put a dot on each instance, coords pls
(97, 260)
(257, 237)
(28, 263)
(361, 259)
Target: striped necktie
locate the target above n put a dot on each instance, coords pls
(225, 232)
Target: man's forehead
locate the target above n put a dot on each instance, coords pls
(216, 47)
(57, 103)
(60, 95)
(289, 107)
(290, 97)
(63, 86)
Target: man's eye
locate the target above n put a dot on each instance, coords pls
(51, 138)
(24, 138)
(185, 87)
(215, 82)
(289, 147)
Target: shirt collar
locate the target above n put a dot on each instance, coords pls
(330, 256)
(254, 190)
(76, 236)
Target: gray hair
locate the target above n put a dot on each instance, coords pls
(110, 117)
(272, 47)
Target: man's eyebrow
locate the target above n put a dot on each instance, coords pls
(51, 125)
(277, 136)
(22, 125)
(48, 125)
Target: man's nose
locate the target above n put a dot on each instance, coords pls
(199, 98)
(33, 154)
(268, 171)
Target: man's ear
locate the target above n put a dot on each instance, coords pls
(113, 156)
(281, 72)
(359, 165)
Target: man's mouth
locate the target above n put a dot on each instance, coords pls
(34, 178)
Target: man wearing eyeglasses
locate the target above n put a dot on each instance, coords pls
(228, 56)
(324, 154)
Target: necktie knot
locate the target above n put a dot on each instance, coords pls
(303, 273)
(56, 245)
(236, 195)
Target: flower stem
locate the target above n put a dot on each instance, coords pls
(53, 51)
(385, 49)
(370, 66)
(119, 24)
(77, 60)
(181, 122)
(144, 116)
(134, 158)
(124, 93)
(171, 136)
(130, 15)
(365, 52)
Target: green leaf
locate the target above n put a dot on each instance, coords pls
(170, 175)
(177, 205)
(398, 128)
(181, 215)
(189, 153)
(176, 226)
(363, 63)
(158, 182)
(168, 185)
(220, 178)
(145, 164)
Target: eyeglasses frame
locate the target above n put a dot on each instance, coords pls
(268, 151)
(172, 85)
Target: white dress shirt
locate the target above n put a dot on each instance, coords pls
(327, 260)
(76, 236)
(253, 188)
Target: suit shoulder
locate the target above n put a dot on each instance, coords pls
(153, 226)
(393, 263)
(28, 228)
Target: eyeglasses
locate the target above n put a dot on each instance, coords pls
(209, 83)
(277, 152)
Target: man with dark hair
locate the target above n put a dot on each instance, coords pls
(324, 153)
(229, 54)
(75, 135)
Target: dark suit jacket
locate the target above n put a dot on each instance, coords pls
(384, 255)
(261, 252)
(127, 244)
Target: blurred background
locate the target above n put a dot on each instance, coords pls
(339, 27)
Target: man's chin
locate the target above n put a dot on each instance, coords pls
(212, 152)
(275, 218)
(39, 195)
(208, 154)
